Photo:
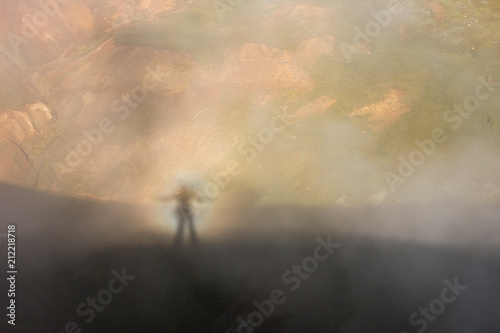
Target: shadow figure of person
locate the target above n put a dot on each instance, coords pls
(184, 198)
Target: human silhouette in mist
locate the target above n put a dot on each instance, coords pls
(184, 197)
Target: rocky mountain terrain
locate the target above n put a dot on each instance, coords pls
(114, 98)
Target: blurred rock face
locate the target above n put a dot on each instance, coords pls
(37, 32)
(115, 98)
(18, 126)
